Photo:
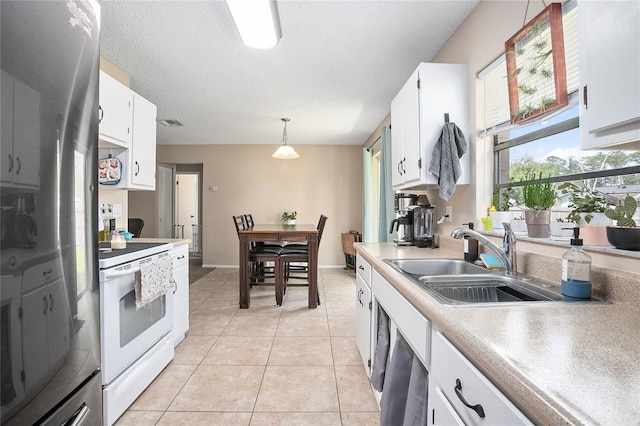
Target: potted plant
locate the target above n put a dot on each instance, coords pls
(588, 212)
(625, 235)
(539, 195)
(501, 202)
(561, 229)
(519, 225)
(289, 218)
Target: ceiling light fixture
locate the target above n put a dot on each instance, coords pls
(257, 22)
(284, 151)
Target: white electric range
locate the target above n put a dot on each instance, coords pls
(135, 342)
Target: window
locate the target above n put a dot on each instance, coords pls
(551, 144)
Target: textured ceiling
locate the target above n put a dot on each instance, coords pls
(334, 72)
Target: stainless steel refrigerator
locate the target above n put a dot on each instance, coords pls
(49, 309)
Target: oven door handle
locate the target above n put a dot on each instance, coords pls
(110, 275)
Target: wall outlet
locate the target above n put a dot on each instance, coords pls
(117, 210)
(449, 213)
(213, 188)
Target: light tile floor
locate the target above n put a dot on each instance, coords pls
(267, 365)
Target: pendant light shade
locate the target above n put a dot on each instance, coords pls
(285, 152)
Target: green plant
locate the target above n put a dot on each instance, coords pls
(289, 216)
(582, 200)
(623, 212)
(506, 195)
(538, 193)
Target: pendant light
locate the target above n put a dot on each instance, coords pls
(285, 152)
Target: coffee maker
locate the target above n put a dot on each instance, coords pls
(403, 223)
(424, 226)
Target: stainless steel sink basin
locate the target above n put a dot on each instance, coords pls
(428, 267)
(483, 289)
(454, 282)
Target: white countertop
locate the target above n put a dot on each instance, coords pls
(561, 363)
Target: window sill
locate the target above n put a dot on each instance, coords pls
(609, 250)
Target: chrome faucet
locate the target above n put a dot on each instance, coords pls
(507, 253)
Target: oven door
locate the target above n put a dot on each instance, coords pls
(126, 332)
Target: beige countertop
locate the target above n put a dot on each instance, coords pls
(175, 241)
(561, 363)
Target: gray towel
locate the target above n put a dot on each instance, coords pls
(382, 351)
(445, 160)
(415, 413)
(393, 403)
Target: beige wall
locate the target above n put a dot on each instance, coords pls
(324, 180)
(477, 42)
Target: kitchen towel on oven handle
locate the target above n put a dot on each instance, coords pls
(153, 280)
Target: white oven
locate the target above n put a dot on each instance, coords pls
(135, 342)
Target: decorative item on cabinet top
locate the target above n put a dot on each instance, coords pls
(109, 171)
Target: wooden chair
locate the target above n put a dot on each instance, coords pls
(259, 257)
(298, 254)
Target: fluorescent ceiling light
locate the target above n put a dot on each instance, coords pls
(257, 22)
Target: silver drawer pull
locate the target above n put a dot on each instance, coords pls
(477, 408)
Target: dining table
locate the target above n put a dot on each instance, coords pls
(302, 233)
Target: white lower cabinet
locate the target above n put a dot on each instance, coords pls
(364, 306)
(181, 295)
(460, 394)
(363, 322)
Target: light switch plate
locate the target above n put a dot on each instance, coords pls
(117, 210)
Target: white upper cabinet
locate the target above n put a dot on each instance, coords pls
(128, 134)
(116, 112)
(417, 118)
(142, 164)
(20, 166)
(609, 72)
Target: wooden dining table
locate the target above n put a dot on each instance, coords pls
(278, 232)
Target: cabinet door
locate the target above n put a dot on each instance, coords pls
(181, 295)
(411, 129)
(442, 412)
(610, 102)
(363, 322)
(35, 351)
(396, 141)
(116, 103)
(143, 149)
(58, 322)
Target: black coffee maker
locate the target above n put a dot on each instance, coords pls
(19, 229)
(403, 223)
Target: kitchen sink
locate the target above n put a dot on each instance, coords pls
(427, 267)
(454, 282)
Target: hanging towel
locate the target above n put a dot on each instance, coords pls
(153, 280)
(415, 413)
(445, 160)
(396, 384)
(381, 353)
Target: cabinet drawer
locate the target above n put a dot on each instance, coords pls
(293, 238)
(180, 256)
(415, 328)
(40, 275)
(450, 368)
(364, 269)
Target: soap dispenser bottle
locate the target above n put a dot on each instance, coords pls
(576, 269)
(470, 246)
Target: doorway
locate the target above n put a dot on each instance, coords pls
(187, 210)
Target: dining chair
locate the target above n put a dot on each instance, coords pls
(135, 225)
(258, 257)
(298, 255)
